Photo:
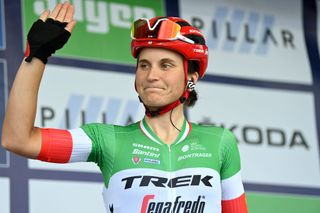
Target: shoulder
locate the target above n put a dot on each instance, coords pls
(108, 128)
(212, 129)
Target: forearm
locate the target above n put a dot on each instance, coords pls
(18, 126)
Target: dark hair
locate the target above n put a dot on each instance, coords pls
(193, 67)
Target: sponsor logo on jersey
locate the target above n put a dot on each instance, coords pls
(151, 161)
(163, 182)
(193, 146)
(147, 151)
(185, 148)
(150, 204)
(145, 147)
(195, 155)
(136, 160)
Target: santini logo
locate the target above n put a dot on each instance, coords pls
(244, 32)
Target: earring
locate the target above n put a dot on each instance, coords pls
(190, 85)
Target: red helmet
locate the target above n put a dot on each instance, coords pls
(171, 33)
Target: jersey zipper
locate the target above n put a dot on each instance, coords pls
(171, 194)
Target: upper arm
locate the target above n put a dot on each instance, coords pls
(233, 196)
(29, 147)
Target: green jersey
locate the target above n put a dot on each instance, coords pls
(199, 170)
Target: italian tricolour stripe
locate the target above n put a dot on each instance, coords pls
(64, 146)
(233, 197)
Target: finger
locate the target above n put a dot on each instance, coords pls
(69, 15)
(55, 11)
(70, 26)
(44, 15)
(63, 11)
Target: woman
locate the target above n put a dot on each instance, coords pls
(162, 163)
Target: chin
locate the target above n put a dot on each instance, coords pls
(157, 101)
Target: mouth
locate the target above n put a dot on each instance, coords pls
(153, 88)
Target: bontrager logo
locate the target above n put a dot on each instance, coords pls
(81, 109)
(180, 181)
(99, 16)
(244, 32)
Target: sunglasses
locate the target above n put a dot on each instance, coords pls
(162, 29)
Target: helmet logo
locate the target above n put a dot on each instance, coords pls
(198, 50)
(149, 42)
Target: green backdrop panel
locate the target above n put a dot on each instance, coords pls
(103, 27)
(281, 203)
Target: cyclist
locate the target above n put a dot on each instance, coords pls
(163, 163)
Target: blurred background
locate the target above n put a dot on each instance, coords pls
(262, 82)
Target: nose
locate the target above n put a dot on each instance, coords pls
(153, 74)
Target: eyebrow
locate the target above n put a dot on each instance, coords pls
(143, 61)
(162, 60)
(167, 60)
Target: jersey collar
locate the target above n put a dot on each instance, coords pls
(185, 130)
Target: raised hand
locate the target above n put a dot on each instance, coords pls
(50, 32)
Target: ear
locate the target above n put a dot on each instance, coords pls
(194, 77)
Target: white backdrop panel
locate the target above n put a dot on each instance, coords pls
(260, 40)
(276, 131)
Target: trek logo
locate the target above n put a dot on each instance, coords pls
(100, 16)
(2, 27)
(178, 205)
(187, 180)
(80, 110)
(244, 32)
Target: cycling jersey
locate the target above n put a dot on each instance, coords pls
(199, 172)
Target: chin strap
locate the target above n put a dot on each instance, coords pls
(176, 103)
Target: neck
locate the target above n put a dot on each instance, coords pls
(161, 125)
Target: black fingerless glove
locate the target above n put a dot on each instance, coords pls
(44, 38)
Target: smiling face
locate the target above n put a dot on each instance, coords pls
(160, 78)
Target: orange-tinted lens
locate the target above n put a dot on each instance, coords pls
(140, 29)
(168, 30)
(164, 29)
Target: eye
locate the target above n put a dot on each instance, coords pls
(166, 65)
(144, 65)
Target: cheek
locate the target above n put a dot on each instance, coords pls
(137, 83)
(180, 84)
